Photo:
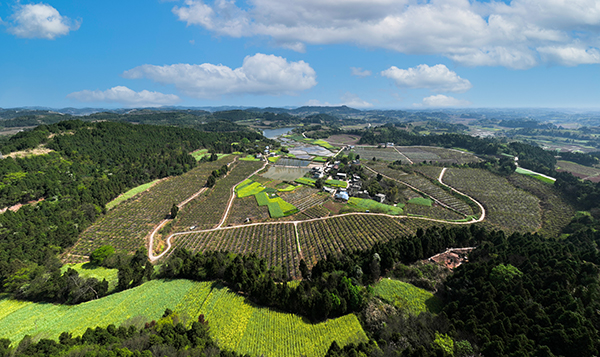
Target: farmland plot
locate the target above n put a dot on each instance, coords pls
(507, 207)
(125, 226)
(556, 212)
(206, 211)
(419, 154)
(246, 207)
(305, 197)
(385, 154)
(274, 242)
(351, 232)
(436, 192)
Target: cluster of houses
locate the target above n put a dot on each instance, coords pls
(354, 188)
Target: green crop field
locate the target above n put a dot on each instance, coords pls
(234, 323)
(277, 206)
(545, 179)
(374, 206)
(407, 296)
(421, 201)
(248, 188)
(249, 158)
(129, 194)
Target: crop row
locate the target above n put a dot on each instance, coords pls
(322, 237)
(307, 199)
(206, 211)
(274, 242)
(506, 207)
(238, 325)
(316, 212)
(125, 226)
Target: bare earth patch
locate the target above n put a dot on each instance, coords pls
(30, 152)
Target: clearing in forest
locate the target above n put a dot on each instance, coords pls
(407, 296)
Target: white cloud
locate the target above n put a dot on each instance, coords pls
(259, 74)
(126, 96)
(348, 99)
(471, 33)
(441, 100)
(359, 72)
(40, 21)
(438, 78)
(570, 56)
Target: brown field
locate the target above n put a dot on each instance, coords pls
(343, 139)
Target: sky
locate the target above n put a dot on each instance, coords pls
(376, 54)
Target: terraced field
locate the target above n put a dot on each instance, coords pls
(507, 207)
(274, 242)
(125, 226)
(234, 323)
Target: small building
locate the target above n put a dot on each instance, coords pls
(328, 189)
(389, 144)
(341, 176)
(380, 197)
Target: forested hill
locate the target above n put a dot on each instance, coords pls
(91, 164)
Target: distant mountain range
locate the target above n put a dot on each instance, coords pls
(538, 114)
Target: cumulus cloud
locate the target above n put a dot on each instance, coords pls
(126, 97)
(348, 99)
(438, 78)
(570, 56)
(40, 21)
(359, 72)
(473, 33)
(259, 74)
(441, 100)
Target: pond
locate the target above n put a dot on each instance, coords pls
(273, 133)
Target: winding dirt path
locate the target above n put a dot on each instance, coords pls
(154, 258)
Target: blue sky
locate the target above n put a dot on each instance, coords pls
(364, 54)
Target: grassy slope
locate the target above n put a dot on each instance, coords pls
(235, 323)
(407, 296)
(127, 195)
